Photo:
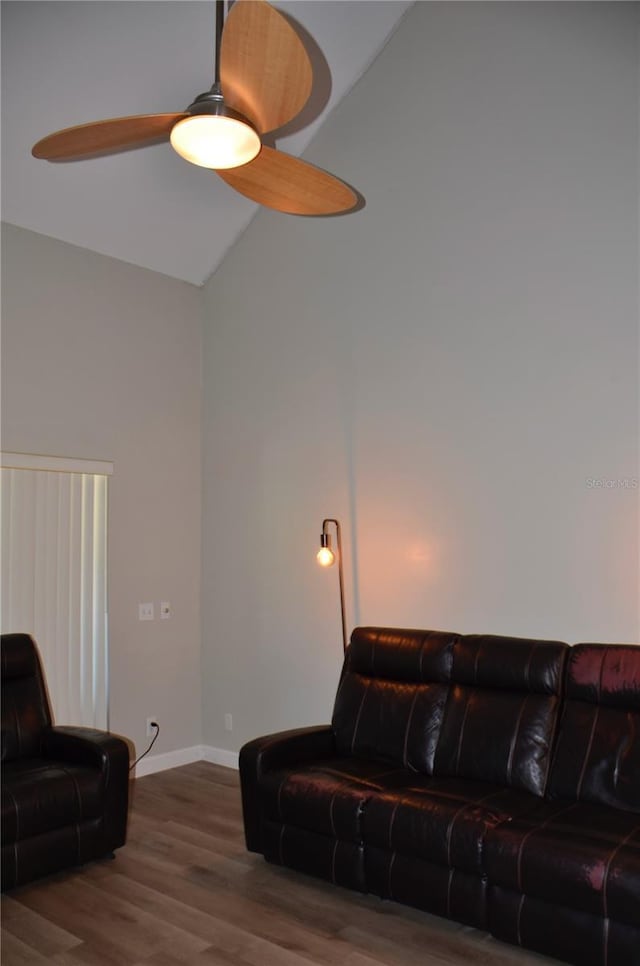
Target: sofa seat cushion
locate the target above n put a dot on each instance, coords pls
(40, 795)
(442, 820)
(583, 856)
(326, 797)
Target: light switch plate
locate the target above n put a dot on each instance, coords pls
(145, 612)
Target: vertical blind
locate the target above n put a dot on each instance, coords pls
(54, 576)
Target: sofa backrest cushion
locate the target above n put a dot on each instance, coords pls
(392, 695)
(25, 707)
(502, 712)
(597, 758)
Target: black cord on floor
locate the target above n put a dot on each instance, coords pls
(154, 724)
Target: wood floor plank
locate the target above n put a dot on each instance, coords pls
(185, 892)
(9, 908)
(100, 919)
(39, 933)
(236, 911)
(18, 953)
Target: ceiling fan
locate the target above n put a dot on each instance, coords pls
(263, 78)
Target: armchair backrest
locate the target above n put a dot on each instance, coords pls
(25, 706)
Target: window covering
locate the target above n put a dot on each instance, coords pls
(54, 576)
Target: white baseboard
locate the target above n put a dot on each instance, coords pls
(170, 759)
(185, 756)
(219, 756)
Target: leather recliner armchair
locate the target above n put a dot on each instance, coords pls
(64, 789)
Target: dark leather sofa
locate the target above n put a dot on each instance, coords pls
(64, 789)
(492, 780)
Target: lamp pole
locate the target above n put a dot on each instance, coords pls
(326, 558)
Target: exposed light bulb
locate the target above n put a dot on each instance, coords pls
(215, 141)
(325, 557)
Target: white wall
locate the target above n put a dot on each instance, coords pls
(103, 360)
(443, 370)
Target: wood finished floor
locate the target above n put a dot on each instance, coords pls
(185, 892)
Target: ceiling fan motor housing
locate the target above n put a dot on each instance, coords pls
(212, 103)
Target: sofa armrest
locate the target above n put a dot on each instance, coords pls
(91, 748)
(282, 750)
(287, 748)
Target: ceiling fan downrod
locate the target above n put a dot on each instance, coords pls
(218, 44)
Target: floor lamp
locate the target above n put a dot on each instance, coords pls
(326, 558)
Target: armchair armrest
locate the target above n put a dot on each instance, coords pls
(107, 753)
(270, 752)
(84, 746)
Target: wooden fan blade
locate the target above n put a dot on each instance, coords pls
(280, 181)
(265, 71)
(102, 137)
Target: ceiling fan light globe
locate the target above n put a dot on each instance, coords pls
(215, 141)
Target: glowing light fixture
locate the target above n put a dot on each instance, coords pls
(325, 555)
(326, 558)
(214, 136)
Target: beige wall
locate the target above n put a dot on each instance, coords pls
(444, 370)
(103, 360)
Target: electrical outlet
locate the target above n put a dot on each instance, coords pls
(165, 610)
(152, 726)
(228, 722)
